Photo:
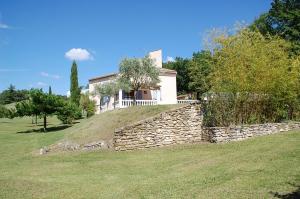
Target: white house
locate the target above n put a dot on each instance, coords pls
(164, 93)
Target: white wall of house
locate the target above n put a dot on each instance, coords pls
(168, 89)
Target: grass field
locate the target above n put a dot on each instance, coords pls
(263, 167)
(102, 126)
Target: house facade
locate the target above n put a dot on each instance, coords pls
(165, 92)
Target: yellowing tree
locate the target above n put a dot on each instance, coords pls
(258, 74)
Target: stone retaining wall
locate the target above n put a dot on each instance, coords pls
(235, 133)
(184, 125)
(178, 126)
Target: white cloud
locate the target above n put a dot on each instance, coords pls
(41, 84)
(4, 26)
(78, 54)
(170, 59)
(44, 74)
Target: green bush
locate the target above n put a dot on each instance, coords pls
(91, 108)
(87, 105)
(225, 109)
(3, 112)
(68, 113)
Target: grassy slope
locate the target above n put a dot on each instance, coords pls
(249, 169)
(102, 126)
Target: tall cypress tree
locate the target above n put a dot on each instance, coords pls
(50, 90)
(75, 91)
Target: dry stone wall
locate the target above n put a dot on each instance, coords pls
(179, 126)
(235, 133)
(184, 125)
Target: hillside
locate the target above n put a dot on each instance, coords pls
(262, 167)
(102, 126)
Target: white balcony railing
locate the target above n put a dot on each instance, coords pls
(186, 101)
(127, 103)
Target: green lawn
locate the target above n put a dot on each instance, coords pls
(255, 168)
(102, 126)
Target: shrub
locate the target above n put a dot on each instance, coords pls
(88, 106)
(68, 113)
(91, 108)
(254, 80)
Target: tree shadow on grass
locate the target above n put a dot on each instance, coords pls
(49, 129)
(292, 195)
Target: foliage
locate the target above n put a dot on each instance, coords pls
(87, 105)
(254, 77)
(282, 19)
(74, 88)
(40, 104)
(91, 108)
(68, 113)
(138, 73)
(11, 95)
(181, 66)
(111, 89)
(5, 112)
(50, 90)
(199, 71)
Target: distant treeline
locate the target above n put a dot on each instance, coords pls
(11, 95)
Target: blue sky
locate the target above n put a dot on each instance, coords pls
(35, 35)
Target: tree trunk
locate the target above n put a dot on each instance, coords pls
(198, 96)
(115, 101)
(100, 104)
(45, 123)
(134, 97)
(36, 119)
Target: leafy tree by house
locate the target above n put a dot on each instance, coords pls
(199, 70)
(138, 73)
(282, 19)
(181, 65)
(74, 88)
(88, 105)
(111, 89)
(257, 77)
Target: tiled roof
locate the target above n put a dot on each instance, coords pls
(103, 77)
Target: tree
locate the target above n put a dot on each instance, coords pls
(181, 65)
(4, 112)
(111, 89)
(87, 105)
(282, 19)
(258, 75)
(68, 112)
(74, 88)
(199, 70)
(262, 24)
(11, 95)
(50, 90)
(138, 73)
(41, 104)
